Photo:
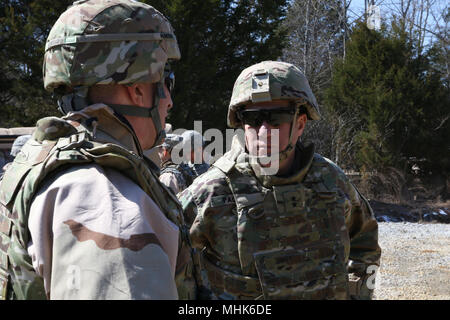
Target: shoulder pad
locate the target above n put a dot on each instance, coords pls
(224, 164)
(52, 128)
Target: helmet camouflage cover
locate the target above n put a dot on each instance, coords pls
(108, 42)
(270, 81)
(193, 138)
(171, 140)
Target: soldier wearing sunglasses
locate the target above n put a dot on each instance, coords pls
(302, 232)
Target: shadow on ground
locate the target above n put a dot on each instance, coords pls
(414, 212)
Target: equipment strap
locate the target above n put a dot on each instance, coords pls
(154, 36)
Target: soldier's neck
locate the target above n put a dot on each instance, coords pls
(287, 165)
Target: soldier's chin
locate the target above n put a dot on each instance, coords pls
(264, 151)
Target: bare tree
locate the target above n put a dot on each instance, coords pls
(316, 32)
(421, 19)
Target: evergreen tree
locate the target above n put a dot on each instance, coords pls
(218, 39)
(397, 98)
(24, 26)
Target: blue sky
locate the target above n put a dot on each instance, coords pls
(356, 8)
(388, 6)
(357, 4)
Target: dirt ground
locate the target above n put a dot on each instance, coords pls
(415, 243)
(415, 261)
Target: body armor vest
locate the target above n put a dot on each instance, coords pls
(290, 237)
(47, 152)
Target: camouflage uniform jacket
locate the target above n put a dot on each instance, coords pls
(120, 266)
(237, 258)
(176, 176)
(180, 176)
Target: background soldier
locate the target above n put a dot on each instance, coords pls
(299, 234)
(18, 143)
(82, 214)
(173, 175)
(193, 141)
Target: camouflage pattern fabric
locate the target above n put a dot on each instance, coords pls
(184, 173)
(56, 144)
(102, 42)
(18, 144)
(299, 238)
(270, 81)
(176, 172)
(170, 141)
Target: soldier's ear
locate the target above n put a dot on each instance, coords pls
(136, 92)
(301, 123)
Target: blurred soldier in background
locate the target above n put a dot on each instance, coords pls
(193, 141)
(18, 143)
(172, 174)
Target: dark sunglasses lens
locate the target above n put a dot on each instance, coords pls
(170, 81)
(252, 118)
(275, 118)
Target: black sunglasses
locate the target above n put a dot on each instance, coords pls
(169, 78)
(273, 116)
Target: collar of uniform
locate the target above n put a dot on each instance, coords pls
(166, 163)
(110, 129)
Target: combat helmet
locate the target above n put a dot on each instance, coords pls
(192, 142)
(170, 141)
(18, 143)
(109, 42)
(271, 81)
(192, 138)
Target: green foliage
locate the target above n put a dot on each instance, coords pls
(218, 39)
(397, 97)
(24, 25)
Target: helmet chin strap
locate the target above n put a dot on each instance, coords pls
(74, 101)
(78, 100)
(159, 94)
(152, 112)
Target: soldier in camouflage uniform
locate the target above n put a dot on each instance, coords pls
(303, 233)
(194, 142)
(17, 145)
(175, 176)
(82, 213)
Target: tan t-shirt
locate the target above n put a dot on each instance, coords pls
(97, 235)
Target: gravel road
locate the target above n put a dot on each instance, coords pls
(415, 261)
